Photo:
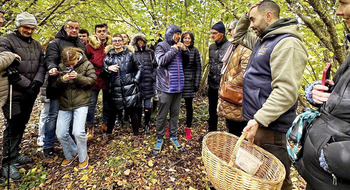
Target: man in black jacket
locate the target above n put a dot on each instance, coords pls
(217, 51)
(25, 90)
(67, 36)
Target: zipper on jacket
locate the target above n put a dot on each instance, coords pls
(335, 182)
(178, 72)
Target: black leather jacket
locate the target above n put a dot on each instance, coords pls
(123, 86)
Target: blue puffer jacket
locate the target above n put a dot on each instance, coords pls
(170, 76)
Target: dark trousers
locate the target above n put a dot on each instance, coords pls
(213, 97)
(275, 143)
(235, 127)
(21, 110)
(189, 111)
(133, 113)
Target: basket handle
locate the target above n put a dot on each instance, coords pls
(235, 150)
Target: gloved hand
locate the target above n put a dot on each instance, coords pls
(15, 63)
(12, 74)
(34, 88)
(12, 71)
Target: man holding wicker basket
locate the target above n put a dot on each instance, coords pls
(272, 79)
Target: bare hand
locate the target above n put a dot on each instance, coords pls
(175, 46)
(70, 75)
(113, 68)
(181, 45)
(53, 72)
(18, 57)
(255, 5)
(251, 129)
(318, 94)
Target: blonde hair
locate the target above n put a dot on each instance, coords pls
(70, 54)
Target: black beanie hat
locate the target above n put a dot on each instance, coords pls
(220, 27)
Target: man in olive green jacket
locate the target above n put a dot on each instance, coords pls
(272, 79)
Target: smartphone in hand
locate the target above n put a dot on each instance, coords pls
(326, 73)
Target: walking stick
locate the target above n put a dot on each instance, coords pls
(9, 139)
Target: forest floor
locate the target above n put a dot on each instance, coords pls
(118, 165)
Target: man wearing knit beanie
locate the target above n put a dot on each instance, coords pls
(24, 91)
(216, 52)
(26, 24)
(2, 12)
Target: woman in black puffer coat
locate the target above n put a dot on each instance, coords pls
(123, 73)
(145, 56)
(192, 68)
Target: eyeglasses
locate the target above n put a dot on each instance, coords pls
(72, 27)
(28, 27)
(230, 29)
(214, 33)
(117, 41)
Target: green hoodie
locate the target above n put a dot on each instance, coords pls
(287, 62)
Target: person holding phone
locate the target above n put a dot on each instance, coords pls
(324, 162)
(76, 76)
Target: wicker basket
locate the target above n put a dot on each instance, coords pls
(218, 154)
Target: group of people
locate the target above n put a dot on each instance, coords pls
(267, 65)
(74, 67)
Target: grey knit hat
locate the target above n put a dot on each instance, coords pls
(1, 10)
(25, 18)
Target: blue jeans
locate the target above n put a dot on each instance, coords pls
(50, 124)
(92, 107)
(70, 148)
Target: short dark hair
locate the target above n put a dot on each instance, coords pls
(84, 31)
(101, 26)
(269, 5)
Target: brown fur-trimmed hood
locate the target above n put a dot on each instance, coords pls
(138, 36)
(96, 43)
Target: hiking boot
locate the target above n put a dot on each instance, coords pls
(136, 142)
(177, 145)
(188, 134)
(84, 164)
(158, 147)
(104, 127)
(49, 152)
(66, 163)
(167, 131)
(146, 129)
(14, 174)
(90, 132)
(22, 160)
